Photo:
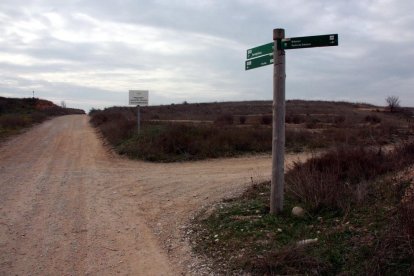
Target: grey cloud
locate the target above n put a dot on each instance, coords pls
(208, 40)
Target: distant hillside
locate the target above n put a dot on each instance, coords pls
(34, 105)
(212, 111)
(16, 114)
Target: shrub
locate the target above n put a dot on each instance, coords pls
(299, 140)
(226, 119)
(38, 117)
(406, 215)
(338, 120)
(116, 124)
(394, 248)
(54, 111)
(173, 142)
(13, 121)
(312, 123)
(338, 178)
(94, 111)
(298, 119)
(372, 119)
(242, 120)
(266, 120)
(295, 119)
(112, 114)
(289, 260)
(116, 131)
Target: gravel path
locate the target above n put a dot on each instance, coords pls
(68, 206)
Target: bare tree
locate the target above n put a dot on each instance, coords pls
(393, 103)
(63, 104)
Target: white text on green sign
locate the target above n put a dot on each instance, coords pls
(259, 62)
(310, 41)
(260, 50)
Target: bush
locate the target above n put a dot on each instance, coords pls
(93, 111)
(116, 124)
(298, 119)
(242, 120)
(266, 120)
(406, 215)
(339, 120)
(312, 123)
(338, 178)
(299, 140)
(372, 119)
(289, 260)
(394, 248)
(174, 142)
(116, 131)
(13, 121)
(38, 117)
(226, 119)
(112, 114)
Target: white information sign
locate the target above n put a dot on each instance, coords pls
(138, 97)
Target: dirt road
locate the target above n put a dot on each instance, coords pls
(68, 206)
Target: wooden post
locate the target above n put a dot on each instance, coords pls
(278, 142)
(138, 119)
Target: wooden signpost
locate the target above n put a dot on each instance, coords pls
(274, 53)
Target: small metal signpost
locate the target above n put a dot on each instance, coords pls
(138, 98)
(274, 53)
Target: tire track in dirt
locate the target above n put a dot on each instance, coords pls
(70, 207)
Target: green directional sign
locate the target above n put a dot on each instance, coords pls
(263, 55)
(310, 41)
(259, 62)
(260, 50)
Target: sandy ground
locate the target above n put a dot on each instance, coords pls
(68, 206)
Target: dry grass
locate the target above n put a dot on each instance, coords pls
(175, 142)
(289, 260)
(116, 125)
(369, 232)
(16, 114)
(13, 121)
(178, 142)
(314, 125)
(338, 178)
(225, 119)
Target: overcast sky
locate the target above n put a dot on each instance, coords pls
(90, 53)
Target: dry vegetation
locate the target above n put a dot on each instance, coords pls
(16, 114)
(356, 205)
(198, 131)
(339, 178)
